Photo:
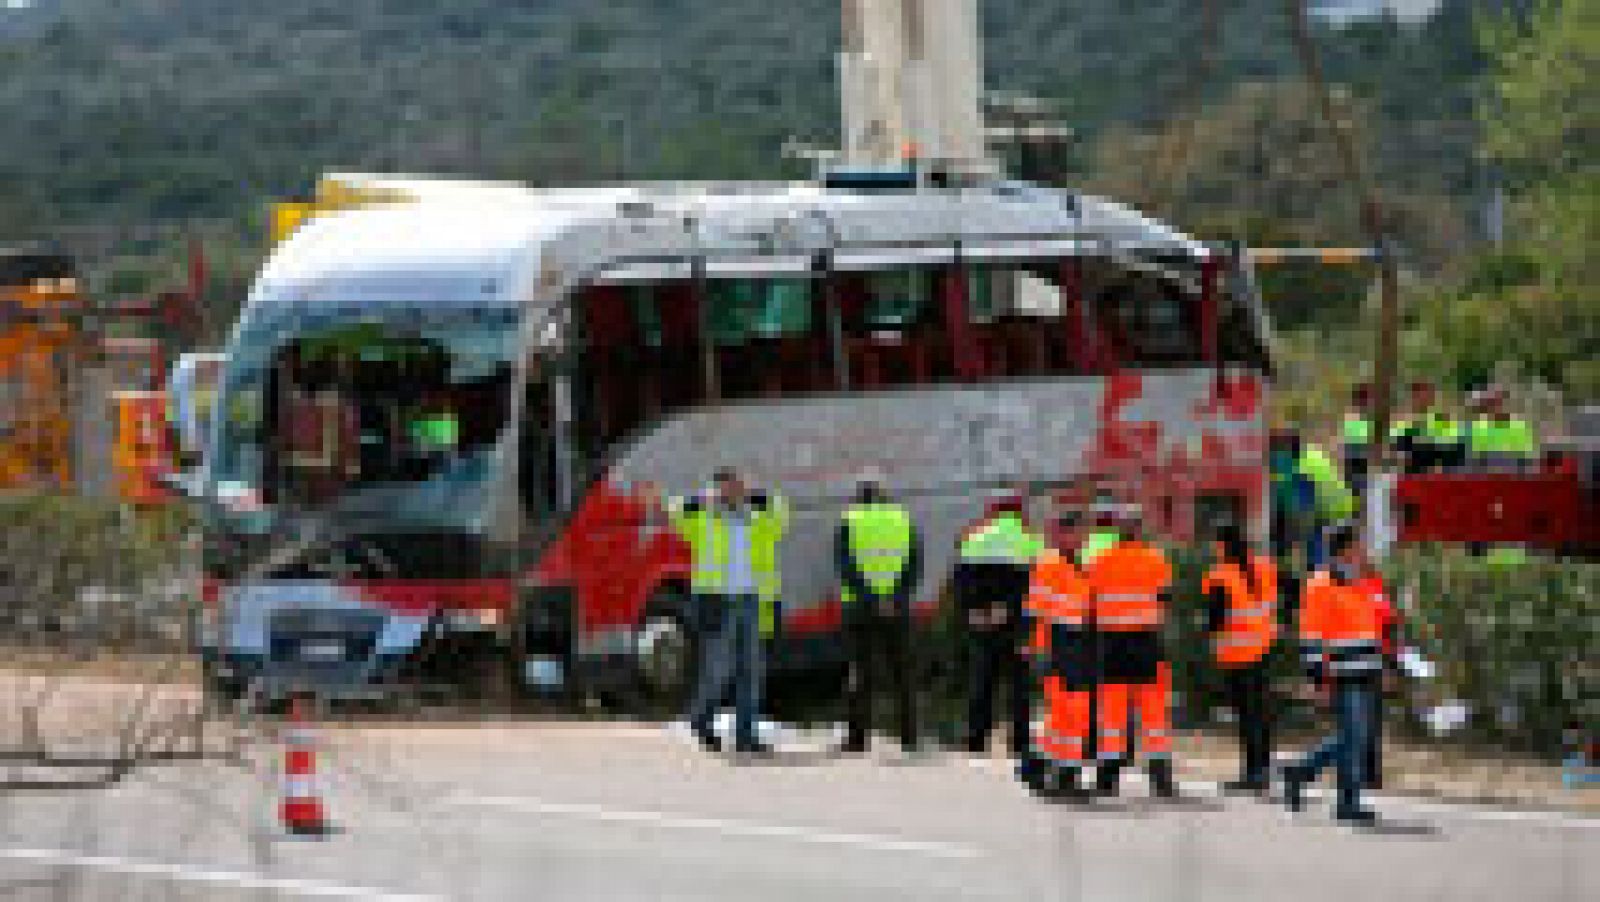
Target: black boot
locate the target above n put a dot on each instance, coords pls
(1294, 789)
(1161, 782)
(1247, 785)
(1356, 816)
(1035, 774)
(1069, 786)
(1106, 778)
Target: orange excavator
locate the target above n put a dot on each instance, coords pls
(83, 407)
(42, 346)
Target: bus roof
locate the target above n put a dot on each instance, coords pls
(504, 243)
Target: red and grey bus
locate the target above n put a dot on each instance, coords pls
(576, 344)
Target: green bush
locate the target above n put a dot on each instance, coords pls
(84, 570)
(1516, 643)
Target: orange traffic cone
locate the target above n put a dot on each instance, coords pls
(301, 810)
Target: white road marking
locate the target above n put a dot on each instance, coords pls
(187, 873)
(1404, 805)
(724, 826)
(1487, 813)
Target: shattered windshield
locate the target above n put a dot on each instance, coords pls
(392, 413)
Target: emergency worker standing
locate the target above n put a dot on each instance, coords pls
(1355, 440)
(1129, 582)
(1332, 500)
(1429, 439)
(1498, 441)
(1341, 641)
(1062, 644)
(1241, 590)
(879, 554)
(991, 583)
(733, 535)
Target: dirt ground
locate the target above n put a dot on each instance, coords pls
(1445, 772)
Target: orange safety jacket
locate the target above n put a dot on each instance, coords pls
(1057, 596)
(1341, 629)
(1251, 622)
(1127, 580)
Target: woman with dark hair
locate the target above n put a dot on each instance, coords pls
(1242, 619)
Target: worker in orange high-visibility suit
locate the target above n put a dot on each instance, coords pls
(1341, 642)
(1129, 582)
(1062, 644)
(1241, 591)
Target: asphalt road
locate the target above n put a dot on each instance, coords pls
(576, 811)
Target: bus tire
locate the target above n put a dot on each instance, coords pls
(667, 650)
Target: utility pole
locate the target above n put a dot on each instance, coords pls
(1373, 223)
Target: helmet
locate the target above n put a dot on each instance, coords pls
(1006, 501)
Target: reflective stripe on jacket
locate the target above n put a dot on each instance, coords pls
(705, 529)
(1341, 629)
(1250, 623)
(1058, 595)
(1127, 580)
(879, 541)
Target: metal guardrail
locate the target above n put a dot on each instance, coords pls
(1332, 256)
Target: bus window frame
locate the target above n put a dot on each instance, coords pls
(1083, 318)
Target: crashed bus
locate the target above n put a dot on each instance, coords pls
(437, 408)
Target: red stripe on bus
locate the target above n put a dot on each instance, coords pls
(420, 596)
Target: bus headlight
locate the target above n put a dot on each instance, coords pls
(473, 620)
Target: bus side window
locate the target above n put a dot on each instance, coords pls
(1153, 321)
(893, 333)
(766, 336)
(1019, 314)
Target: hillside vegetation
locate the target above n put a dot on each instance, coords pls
(129, 112)
(172, 108)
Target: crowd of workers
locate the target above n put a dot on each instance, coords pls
(1314, 488)
(1084, 627)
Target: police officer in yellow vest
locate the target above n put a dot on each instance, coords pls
(879, 554)
(1355, 440)
(1497, 440)
(991, 581)
(1430, 439)
(733, 535)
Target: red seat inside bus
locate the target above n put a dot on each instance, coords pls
(647, 350)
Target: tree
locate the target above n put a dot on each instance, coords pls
(1259, 166)
(1542, 123)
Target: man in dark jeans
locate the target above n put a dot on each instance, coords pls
(879, 556)
(733, 535)
(1341, 639)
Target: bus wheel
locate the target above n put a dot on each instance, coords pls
(667, 650)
